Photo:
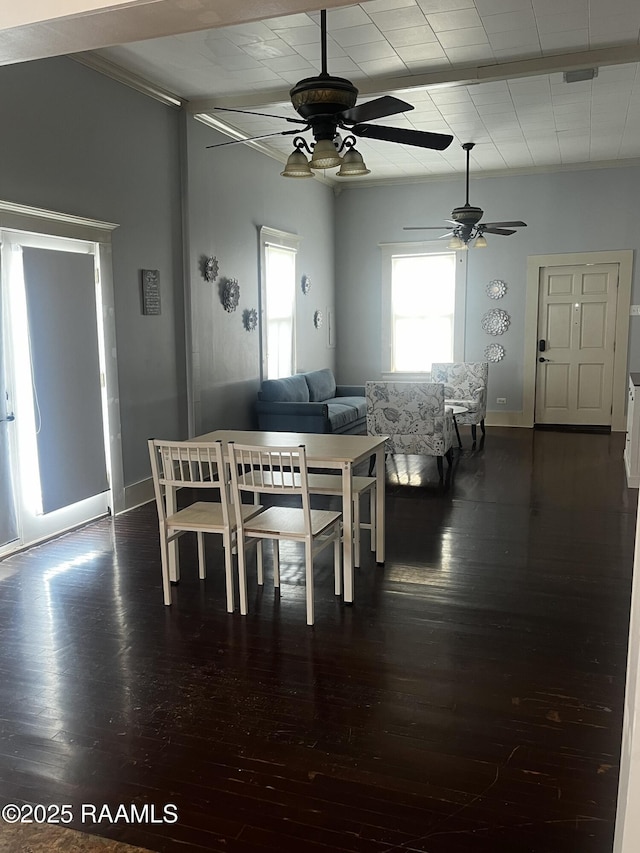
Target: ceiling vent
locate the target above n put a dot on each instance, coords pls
(580, 75)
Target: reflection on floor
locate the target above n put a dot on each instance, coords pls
(470, 700)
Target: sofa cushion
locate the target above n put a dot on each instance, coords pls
(339, 415)
(321, 384)
(357, 403)
(290, 389)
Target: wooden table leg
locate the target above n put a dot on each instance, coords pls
(380, 501)
(347, 533)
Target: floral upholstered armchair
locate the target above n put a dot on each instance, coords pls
(465, 384)
(413, 416)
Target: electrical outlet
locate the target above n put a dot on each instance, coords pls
(501, 400)
(634, 311)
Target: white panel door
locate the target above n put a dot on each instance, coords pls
(576, 321)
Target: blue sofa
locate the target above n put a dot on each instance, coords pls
(311, 402)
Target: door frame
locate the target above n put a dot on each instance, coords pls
(624, 259)
(48, 223)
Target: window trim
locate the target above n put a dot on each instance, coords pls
(424, 247)
(274, 237)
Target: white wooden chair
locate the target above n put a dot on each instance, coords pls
(331, 485)
(200, 466)
(268, 471)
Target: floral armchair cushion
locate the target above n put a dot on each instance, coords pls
(412, 415)
(465, 384)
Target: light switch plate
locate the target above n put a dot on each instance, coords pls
(634, 311)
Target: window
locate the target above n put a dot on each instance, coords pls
(423, 311)
(278, 302)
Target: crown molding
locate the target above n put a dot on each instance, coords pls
(134, 81)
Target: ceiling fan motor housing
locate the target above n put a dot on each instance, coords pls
(323, 95)
(467, 215)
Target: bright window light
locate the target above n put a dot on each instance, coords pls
(422, 310)
(280, 273)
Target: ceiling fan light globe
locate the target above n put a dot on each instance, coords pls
(352, 165)
(325, 155)
(481, 242)
(456, 243)
(297, 166)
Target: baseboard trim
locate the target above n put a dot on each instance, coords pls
(138, 494)
(509, 419)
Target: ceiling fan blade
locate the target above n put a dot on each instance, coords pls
(505, 231)
(516, 224)
(378, 108)
(425, 228)
(254, 138)
(405, 136)
(266, 115)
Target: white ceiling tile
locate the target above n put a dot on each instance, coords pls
(550, 7)
(573, 40)
(285, 22)
(284, 64)
(617, 74)
(410, 16)
(368, 52)
(300, 35)
(256, 31)
(458, 20)
(429, 6)
(489, 91)
(564, 22)
(311, 51)
(515, 39)
(269, 49)
(418, 52)
(463, 37)
(358, 35)
(504, 22)
(427, 65)
(493, 109)
(373, 6)
(411, 35)
(539, 85)
(393, 66)
(347, 16)
(494, 7)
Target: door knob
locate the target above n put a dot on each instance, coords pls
(541, 359)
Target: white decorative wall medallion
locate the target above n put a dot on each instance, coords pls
(317, 319)
(495, 322)
(494, 352)
(496, 289)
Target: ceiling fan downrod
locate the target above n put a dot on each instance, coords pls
(467, 147)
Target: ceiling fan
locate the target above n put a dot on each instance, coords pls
(327, 104)
(466, 221)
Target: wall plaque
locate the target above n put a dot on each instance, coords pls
(150, 291)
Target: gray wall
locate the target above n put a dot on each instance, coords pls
(77, 142)
(581, 211)
(232, 191)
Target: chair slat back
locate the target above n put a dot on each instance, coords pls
(187, 464)
(278, 463)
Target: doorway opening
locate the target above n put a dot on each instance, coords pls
(60, 455)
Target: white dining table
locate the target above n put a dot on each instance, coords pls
(336, 452)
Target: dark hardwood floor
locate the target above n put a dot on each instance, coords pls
(470, 700)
